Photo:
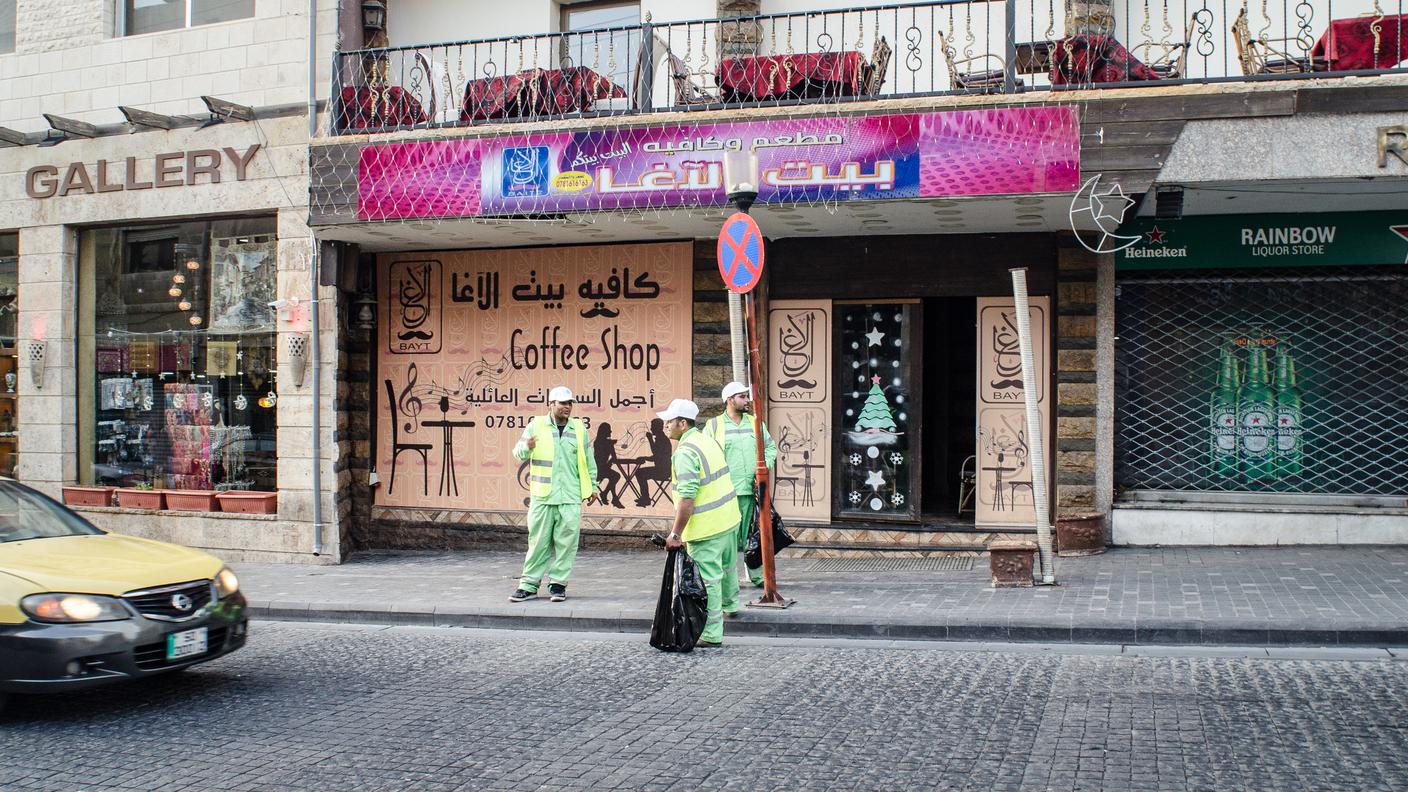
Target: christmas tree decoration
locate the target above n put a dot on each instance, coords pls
(876, 425)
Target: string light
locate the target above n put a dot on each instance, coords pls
(184, 305)
(195, 320)
(175, 291)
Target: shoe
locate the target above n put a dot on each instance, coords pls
(521, 595)
(732, 614)
(618, 504)
(707, 644)
(757, 583)
(643, 503)
(557, 592)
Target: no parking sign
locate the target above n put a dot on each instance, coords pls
(740, 253)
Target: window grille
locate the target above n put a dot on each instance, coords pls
(1191, 416)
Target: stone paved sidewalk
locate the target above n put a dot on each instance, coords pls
(1323, 596)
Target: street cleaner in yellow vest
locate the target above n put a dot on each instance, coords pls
(561, 476)
(706, 513)
(734, 431)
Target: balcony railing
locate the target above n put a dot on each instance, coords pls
(890, 51)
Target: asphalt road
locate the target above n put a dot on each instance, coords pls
(339, 707)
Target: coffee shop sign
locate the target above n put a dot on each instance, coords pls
(173, 169)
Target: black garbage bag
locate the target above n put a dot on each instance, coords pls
(682, 608)
(753, 547)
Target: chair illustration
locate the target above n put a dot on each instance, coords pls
(1168, 59)
(978, 73)
(1262, 55)
(397, 447)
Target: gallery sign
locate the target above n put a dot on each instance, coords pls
(799, 406)
(1014, 150)
(171, 169)
(1005, 496)
(1267, 240)
(475, 339)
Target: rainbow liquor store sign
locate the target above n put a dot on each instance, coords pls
(1333, 239)
(1005, 151)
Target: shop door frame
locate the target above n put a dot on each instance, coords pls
(916, 479)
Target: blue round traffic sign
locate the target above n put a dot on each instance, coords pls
(740, 253)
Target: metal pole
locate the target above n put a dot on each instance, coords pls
(313, 301)
(770, 598)
(1034, 443)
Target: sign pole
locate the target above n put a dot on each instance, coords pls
(770, 598)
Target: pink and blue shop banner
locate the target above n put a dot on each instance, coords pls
(962, 153)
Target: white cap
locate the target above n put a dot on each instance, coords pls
(733, 389)
(561, 393)
(680, 408)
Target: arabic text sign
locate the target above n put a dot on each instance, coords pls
(1004, 490)
(969, 152)
(612, 323)
(740, 253)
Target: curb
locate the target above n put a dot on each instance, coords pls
(1155, 632)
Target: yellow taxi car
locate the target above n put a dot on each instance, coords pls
(80, 606)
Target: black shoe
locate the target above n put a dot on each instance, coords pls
(642, 503)
(616, 502)
(557, 592)
(521, 595)
(708, 644)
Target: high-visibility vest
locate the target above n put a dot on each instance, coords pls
(716, 503)
(544, 452)
(721, 427)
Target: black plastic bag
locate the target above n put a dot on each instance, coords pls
(682, 608)
(753, 548)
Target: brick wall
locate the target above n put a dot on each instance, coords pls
(1076, 399)
(68, 62)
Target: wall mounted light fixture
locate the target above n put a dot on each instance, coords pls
(38, 351)
(297, 347)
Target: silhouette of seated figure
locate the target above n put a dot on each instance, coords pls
(607, 462)
(658, 469)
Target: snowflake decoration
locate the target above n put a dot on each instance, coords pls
(855, 459)
(897, 499)
(855, 498)
(896, 458)
(241, 402)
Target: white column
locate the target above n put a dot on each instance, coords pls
(48, 420)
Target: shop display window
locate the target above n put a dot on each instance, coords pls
(177, 369)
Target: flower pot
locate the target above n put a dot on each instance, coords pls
(1080, 534)
(88, 496)
(245, 502)
(191, 500)
(1011, 563)
(140, 499)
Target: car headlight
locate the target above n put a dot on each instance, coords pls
(70, 608)
(226, 583)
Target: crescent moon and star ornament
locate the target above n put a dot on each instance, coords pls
(1107, 210)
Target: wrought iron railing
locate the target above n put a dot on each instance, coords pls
(915, 49)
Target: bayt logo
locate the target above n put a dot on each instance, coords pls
(525, 171)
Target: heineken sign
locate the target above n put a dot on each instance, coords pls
(1266, 240)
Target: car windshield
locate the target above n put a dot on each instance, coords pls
(25, 514)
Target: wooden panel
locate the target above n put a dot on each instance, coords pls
(799, 406)
(1131, 133)
(1004, 491)
(1189, 107)
(1109, 158)
(1357, 99)
(908, 265)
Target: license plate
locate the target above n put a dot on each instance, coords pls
(186, 644)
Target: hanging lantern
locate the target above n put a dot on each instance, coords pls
(268, 400)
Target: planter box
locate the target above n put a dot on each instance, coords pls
(140, 499)
(1080, 534)
(1011, 563)
(191, 500)
(88, 496)
(244, 502)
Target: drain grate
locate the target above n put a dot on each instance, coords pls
(935, 564)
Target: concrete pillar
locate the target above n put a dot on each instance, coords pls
(48, 421)
(738, 38)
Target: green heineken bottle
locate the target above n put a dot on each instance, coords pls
(1256, 407)
(1289, 450)
(1222, 417)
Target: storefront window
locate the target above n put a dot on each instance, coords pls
(9, 358)
(1278, 381)
(177, 361)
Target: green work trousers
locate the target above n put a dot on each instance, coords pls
(745, 507)
(553, 528)
(714, 558)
